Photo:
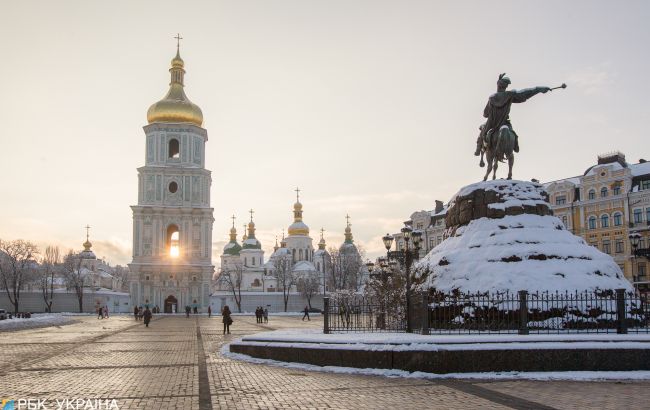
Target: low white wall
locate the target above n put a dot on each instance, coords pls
(273, 301)
(67, 302)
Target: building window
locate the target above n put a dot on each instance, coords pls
(146, 277)
(616, 190)
(645, 184)
(592, 194)
(299, 254)
(245, 261)
(419, 226)
(432, 243)
(607, 247)
(647, 214)
(618, 219)
(174, 148)
(619, 246)
(560, 200)
(638, 216)
(603, 192)
(565, 221)
(641, 270)
(173, 187)
(642, 243)
(592, 222)
(604, 221)
(253, 261)
(256, 283)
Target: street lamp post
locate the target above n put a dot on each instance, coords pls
(406, 257)
(635, 238)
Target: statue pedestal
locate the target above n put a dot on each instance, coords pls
(502, 237)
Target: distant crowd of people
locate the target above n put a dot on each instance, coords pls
(262, 314)
(102, 312)
(144, 314)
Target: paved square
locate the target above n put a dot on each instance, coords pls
(176, 364)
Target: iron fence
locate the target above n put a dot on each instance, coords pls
(492, 313)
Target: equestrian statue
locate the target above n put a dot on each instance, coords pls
(497, 140)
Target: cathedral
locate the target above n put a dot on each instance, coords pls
(257, 275)
(172, 222)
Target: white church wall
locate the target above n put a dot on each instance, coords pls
(271, 300)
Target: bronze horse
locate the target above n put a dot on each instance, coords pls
(497, 149)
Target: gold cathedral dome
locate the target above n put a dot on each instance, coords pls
(175, 107)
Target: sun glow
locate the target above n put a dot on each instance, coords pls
(174, 250)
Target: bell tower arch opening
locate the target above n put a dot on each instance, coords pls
(173, 241)
(174, 148)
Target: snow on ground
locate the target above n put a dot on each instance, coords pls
(577, 376)
(315, 339)
(37, 320)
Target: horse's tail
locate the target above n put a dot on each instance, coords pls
(505, 144)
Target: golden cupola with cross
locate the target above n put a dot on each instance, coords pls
(298, 227)
(175, 107)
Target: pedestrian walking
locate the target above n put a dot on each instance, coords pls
(306, 315)
(135, 312)
(227, 320)
(257, 314)
(140, 313)
(209, 311)
(188, 310)
(266, 315)
(106, 311)
(100, 314)
(147, 316)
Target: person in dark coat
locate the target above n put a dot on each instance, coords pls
(209, 311)
(306, 315)
(135, 312)
(266, 315)
(227, 320)
(147, 317)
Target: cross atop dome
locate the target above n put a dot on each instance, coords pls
(178, 41)
(297, 194)
(233, 220)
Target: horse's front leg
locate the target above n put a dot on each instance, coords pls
(496, 165)
(489, 169)
(482, 163)
(511, 161)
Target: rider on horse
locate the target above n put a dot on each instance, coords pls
(497, 111)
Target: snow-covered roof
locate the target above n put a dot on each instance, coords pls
(303, 266)
(642, 168)
(319, 252)
(615, 166)
(443, 211)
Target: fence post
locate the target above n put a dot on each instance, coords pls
(523, 312)
(425, 313)
(326, 321)
(620, 312)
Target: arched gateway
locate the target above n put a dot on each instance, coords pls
(171, 304)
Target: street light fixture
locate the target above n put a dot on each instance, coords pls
(388, 241)
(405, 257)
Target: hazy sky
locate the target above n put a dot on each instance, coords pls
(370, 107)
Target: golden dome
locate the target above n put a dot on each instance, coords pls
(175, 107)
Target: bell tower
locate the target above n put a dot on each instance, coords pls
(172, 222)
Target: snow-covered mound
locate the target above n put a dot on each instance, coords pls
(516, 246)
(37, 320)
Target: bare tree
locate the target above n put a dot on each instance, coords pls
(50, 267)
(17, 267)
(346, 269)
(231, 278)
(284, 275)
(74, 276)
(121, 273)
(308, 286)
